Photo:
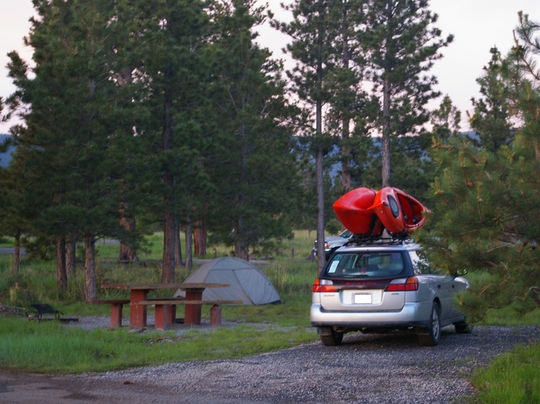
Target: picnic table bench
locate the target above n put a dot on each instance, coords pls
(116, 310)
(165, 310)
(165, 307)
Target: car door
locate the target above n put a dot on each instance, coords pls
(442, 287)
(446, 287)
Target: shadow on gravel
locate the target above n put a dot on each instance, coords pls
(402, 339)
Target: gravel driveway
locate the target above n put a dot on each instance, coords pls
(366, 368)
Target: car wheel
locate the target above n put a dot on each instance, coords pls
(462, 327)
(432, 335)
(330, 337)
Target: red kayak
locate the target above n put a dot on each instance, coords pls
(353, 211)
(398, 211)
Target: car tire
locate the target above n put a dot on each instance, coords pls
(462, 327)
(330, 337)
(432, 335)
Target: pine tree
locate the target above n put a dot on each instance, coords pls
(166, 52)
(349, 103)
(312, 48)
(491, 117)
(446, 120)
(251, 139)
(488, 197)
(400, 46)
(62, 152)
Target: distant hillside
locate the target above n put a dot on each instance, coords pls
(5, 157)
(333, 170)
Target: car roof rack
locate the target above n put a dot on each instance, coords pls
(392, 239)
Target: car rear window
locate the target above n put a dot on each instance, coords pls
(378, 264)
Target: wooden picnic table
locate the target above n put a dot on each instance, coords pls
(138, 301)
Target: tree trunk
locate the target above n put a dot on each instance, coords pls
(170, 227)
(386, 124)
(241, 251)
(189, 244)
(90, 288)
(345, 159)
(321, 259)
(61, 274)
(71, 257)
(178, 243)
(127, 253)
(16, 262)
(345, 128)
(200, 235)
(240, 248)
(385, 146)
(169, 248)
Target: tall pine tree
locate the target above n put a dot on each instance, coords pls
(312, 48)
(400, 46)
(252, 141)
(491, 117)
(62, 151)
(166, 54)
(487, 199)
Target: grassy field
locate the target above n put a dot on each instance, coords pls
(50, 346)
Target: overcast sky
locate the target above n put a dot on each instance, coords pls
(477, 25)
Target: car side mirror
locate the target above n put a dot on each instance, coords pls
(460, 272)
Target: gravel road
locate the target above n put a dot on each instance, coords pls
(365, 369)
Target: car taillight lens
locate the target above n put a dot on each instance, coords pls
(403, 285)
(323, 285)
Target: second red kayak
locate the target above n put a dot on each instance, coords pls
(352, 210)
(398, 211)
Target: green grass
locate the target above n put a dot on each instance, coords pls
(512, 316)
(51, 347)
(511, 378)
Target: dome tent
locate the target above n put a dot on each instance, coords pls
(246, 282)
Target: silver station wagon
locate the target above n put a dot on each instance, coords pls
(384, 286)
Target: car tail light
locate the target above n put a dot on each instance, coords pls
(403, 285)
(323, 285)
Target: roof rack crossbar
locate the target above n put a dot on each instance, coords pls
(361, 239)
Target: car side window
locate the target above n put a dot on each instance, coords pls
(420, 263)
(342, 264)
(390, 263)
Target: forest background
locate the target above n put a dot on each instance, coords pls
(148, 116)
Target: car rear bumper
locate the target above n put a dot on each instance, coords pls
(411, 315)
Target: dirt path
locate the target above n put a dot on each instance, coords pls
(367, 368)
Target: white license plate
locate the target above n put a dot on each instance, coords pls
(362, 298)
